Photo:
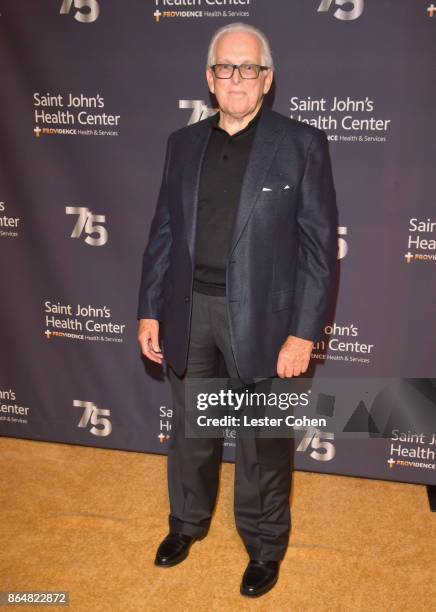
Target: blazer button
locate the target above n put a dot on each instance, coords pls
(187, 298)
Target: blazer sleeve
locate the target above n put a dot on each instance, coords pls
(156, 256)
(317, 221)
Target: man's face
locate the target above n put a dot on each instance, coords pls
(238, 97)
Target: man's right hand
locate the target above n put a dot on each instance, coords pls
(148, 338)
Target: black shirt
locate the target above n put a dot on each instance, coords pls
(221, 177)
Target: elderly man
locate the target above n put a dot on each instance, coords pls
(240, 265)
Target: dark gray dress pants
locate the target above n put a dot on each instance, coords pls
(263, 466)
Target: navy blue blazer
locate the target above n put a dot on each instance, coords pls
(280, 273)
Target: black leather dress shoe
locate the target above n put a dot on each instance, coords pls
(173, 549)
(259, 577)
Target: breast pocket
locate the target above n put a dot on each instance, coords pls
(276, 190)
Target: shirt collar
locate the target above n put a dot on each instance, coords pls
(215, 120)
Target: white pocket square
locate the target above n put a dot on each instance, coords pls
(286, 187)
(266, 189)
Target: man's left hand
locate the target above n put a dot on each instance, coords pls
(294, 357)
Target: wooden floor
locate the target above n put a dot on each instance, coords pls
(88, 521)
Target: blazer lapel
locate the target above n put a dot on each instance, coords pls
(265, 144)
(191, 181)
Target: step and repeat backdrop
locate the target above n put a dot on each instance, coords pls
(91, 89)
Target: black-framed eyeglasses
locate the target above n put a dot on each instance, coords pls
(246, 71)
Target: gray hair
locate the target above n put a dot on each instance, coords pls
(266, 56)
